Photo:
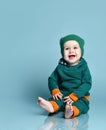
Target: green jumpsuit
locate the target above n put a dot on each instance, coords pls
(72, 80)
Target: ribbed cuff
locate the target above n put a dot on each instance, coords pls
(55, 105)
(73, 97)
(75, 111)
(55, 91)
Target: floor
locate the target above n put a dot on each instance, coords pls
(16, 114)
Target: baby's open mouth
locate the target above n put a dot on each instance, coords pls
(71, 56)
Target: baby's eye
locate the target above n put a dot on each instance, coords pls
(75, 47)
(66, 48)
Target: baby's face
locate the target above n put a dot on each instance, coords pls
(72, 52)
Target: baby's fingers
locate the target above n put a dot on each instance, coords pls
(66, 100)
(57, 96)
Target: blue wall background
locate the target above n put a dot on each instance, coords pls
(29, 44)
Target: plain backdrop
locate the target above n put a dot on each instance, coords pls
(30, 31)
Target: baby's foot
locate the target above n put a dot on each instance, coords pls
(45, 104)
(68, 111)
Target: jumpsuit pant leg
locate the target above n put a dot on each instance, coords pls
(58, 105)
(81, 105)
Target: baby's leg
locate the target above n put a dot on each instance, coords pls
(45, 104)
(68, 111)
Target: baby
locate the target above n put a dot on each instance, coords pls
(70, 82)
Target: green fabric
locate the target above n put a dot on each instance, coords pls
(72, 37)
(72, 79)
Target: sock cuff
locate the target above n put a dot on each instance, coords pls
(55, 105)
(75, 111)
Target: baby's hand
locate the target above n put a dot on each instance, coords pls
(58, 96)
(68, 100)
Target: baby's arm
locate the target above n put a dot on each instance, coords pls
(85, 86)
(53, 82)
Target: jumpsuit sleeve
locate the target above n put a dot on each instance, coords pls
(85, 86)
(53, 82)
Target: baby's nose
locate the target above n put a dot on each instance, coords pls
(71, 50)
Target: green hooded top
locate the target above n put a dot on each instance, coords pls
(71, 79)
